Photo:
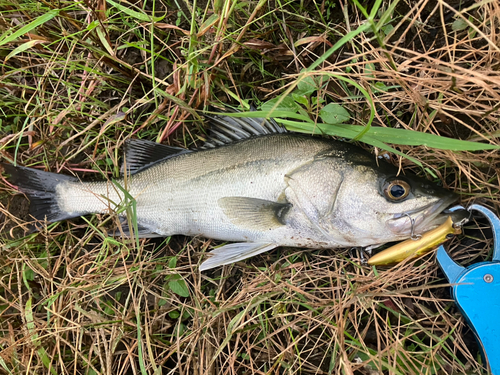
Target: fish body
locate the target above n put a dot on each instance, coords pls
(261, 192)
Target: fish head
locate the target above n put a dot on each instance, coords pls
(375, 205)
(423, 208)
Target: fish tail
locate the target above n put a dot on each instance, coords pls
(40, 187)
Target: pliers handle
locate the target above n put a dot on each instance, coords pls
(476, 291)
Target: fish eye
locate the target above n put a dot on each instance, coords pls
(397, 190)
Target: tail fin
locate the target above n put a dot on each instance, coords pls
(40, 187)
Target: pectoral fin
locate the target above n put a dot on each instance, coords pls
(234, 252)
(253, 213)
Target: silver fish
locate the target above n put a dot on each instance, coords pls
(269, 188)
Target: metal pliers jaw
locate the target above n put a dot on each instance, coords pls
(476, 291)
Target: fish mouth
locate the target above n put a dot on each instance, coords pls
(422, 219)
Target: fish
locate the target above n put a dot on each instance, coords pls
(253, 184)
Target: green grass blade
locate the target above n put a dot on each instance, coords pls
(130, 205)
(266, 114)
(415, 138)
(4, 366)
(344, 133)
(132, 13)
(26, 29)
(388, 135)
(347, 37)
(23, 47)
(30, 325)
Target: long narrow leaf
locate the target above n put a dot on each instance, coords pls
(266, 114)
(347, 37)
(415, 138)
(390, 135)
(23, 47)
(132, 13)
(345, 133)
(27, 28)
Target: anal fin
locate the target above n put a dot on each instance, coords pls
(234, 252)
(142, 231)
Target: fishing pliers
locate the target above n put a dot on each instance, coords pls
(476, 291)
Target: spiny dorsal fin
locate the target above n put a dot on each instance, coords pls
(253, 213)
(141, 154)
(226, 129)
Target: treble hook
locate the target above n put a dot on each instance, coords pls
(413, 236)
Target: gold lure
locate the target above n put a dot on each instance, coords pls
(414, 248)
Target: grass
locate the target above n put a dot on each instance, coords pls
(418, 79)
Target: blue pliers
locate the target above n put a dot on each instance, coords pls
(476, 290)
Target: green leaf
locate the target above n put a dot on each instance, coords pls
(334, 114)
(174, 314)
(267, 114)
(380, 86)
(307, 85)
(7, 38)
(178, 286)
(172, 263)
(235, 322)
(370, 70)
(29, 274)
(387, 29)
(132, 13)
(459, 24)
(218, 5)
(299, 97)
(348, 69)
(209, 22)
(279, 103)
(4, 366)
(340, 132)
(35, 340)
(92, 25)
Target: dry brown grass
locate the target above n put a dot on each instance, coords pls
(75, 301)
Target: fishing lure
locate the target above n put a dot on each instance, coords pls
(430, 240)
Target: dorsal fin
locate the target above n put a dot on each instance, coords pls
(141, 154)
(226, 129)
